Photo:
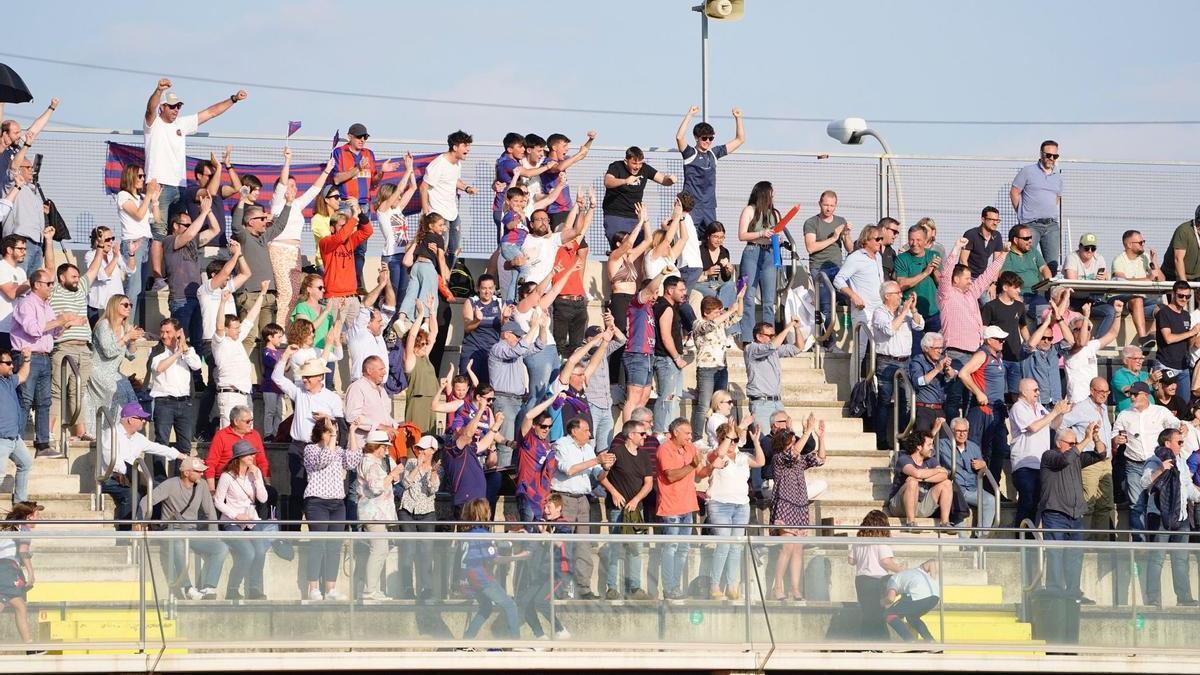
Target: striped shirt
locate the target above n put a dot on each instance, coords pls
(75, 302)
(640, 326)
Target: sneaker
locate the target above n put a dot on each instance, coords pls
(51, 453)
(639, 594)
(375, 596)
(716, 594)
(334, 595)
(402, 324)
(233, 595)
(586, 595)
(673, 596)
(1182, 603)
(193, 593)
(612, 594)
(563, 634)
(733, 594)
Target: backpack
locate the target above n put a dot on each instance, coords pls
(461, 284)
(862, 399)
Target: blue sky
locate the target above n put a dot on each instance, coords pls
(1017, 60)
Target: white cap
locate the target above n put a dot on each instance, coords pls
(994, 332)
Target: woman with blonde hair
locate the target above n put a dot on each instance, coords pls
(729, 505)
(323, 211)
(284, 249)
(112, 341)
(135, 202)
(873, 563)
(310, 305)
(390, 202)
(931, 243)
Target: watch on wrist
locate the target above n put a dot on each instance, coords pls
(233, 98)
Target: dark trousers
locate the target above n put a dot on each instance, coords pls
(956, 394)
(990, 432)
(869, 591)
(206, 425)
(324, 554)
(885, 370)
(121, 497)
(926, 417)
(299, 481)
(1063, 566)
(570, 321)
(1028, 482)
(171, 414)
(34, 394)
(1179, 562)
(905, 617)
(824, 299)
(416, 556)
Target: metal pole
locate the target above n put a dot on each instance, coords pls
(703, 65)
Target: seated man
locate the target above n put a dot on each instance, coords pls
(966, 468)
(920, 486)
(1086, 263)
(911, 594)
(1135, 265)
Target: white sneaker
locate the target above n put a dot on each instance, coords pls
(375, 596)
(563, 634)
(402, 324)
(334, 595)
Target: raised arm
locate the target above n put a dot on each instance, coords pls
(534, 412)
(681, 133)
(579, 154)
(221, 106)
(155, 96)
(739, 132)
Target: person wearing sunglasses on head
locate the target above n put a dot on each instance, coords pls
(1036, 196)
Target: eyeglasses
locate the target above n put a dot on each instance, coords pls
(892, 293)
(1090, 249)
(127, 304)
(726, 402)
(1050, 155)
(1139, 241)
(707, 138)
(1027, 238)
(177, 106)
(1070, 444)
(41, 281)
(257, 218)
(766, 334)
(893, 231)
(545, 426)
(319, 288)
(1047, 338)
(877, 239)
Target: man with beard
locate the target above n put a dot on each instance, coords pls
(70, 295)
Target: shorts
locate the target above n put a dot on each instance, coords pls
(637, 369)
(926, 504)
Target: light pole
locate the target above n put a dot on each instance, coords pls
(850, 131)
(721, 10)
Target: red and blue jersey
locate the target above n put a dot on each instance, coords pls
(514, 234)
(639, 327)
(359, 187)
(549, 181)
(506, 167)
(536, 465)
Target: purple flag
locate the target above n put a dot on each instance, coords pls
(337, 137)
(293, 127)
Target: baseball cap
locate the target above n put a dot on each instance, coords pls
(514, 328)
(358, 129)
(171, 98)
(134, 409)
(1089, 239)
(994, 332)
(428, 443)
(192, 463)
(1139, 387)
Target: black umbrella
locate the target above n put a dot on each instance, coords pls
(12, 87)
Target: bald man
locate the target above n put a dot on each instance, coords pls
(1061, 507)
(1029, 423)
(1097, 478)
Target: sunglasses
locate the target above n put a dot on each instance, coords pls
(1050, 155)
(127, 304)
(877, 239)
(319, 288)
(177, 106)
(6, 363)
(545, 426)
(141, 176)
(1090, 249)
(1184, 296)
(707, 138)
(366, 136)
(1024, 238)
(106, 240)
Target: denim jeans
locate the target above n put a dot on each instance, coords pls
(602, 425)
(725, 291)
(905, 617)
(34, 255)
(957, 395)
(417, 555)
(824, 300)
(668, 382)
(422, 284)
(511, 407)
(631, 553)
(490, 596)
(167, 201)
(135, 280)
(249, 558)
(1135, 489)
(1028, 482)
(212, 554)
(34, 393)
(1063, 566)
(1046, 236)
(885, 370)
(397, 273)
(726, 567)
(762, 411)
(675, 555)
(1179, 563)
(758, 266)
(542, 367)
(324, 555)
(15, 449)
(360, 259)
(985, 502)
(708, 380)
(187, 313)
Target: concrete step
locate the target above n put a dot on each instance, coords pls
(844, 441)
(44, 466)
(104, 553)
(53, 484)
(89, 572)
(840, 488)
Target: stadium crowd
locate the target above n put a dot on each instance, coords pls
(581, 415)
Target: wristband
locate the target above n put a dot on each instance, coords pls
(233, 98)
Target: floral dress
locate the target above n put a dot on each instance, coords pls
(791, 491)
(106, 370)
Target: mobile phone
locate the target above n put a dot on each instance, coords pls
(741, 283)
(1100, 271)
(607, 306)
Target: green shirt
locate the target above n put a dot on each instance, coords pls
(1184, 239)
(305, 312)
(909, 265)
(1028, 267)
(1124, 379)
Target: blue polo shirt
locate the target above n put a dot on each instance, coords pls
(1042, 366)
(1039, 193)
(700, 181)
(10, 408)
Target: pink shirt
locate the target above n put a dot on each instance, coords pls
(965, 331)
(30, 315)
(366, 399)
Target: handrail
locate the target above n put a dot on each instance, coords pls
(856, 369)
(900, 377)
(102, 474)
(64, 377)
(995, 491)
(140, 466)
(831, 322)
(1027, 524)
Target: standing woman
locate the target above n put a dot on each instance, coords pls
(790, 512)
(309, 306)
(325, 499)
(426, 258)
(729, 504)
(240, 490)
(390, 202)
(624, 272)
(321, 221)
(112, 341)
(114, 269)
(482, 314)
(284, 249)
(757, 221)
(666, 244)
(873, 565)
(421, 479)
(376, 502)
(133, 211)
(422, 405)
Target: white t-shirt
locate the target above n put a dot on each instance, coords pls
(295, 221)
(715, 420)
(394, 227)
(1027, 449)
(105, 286)
(730, 484)
(166, 149)
(1131, 268)
(363, 344)
(1086, 271)
(132, 228)
(1194, 352)
(532, 185)
(523, 320)
(691, 248)
(232, 362)
(867, 559)
(210, 298)
(541, 252)
(441, 180)
(1082, 367)
(9, 274)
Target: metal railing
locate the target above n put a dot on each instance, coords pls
(857, 373)
(102, 474)
(901, 378)
(68, 373)
(831, 321)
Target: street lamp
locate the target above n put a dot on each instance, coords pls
(850, 131)
(721, 10)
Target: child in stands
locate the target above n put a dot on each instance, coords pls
(547, 567)
(16, 566)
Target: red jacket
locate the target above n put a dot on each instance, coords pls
(220, 451)
(337, 253)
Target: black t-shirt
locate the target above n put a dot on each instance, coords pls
(628, 473)
(1010, 319)
(660, 349)
(981, 251)
(423, 247)
(1173, 356)
(1177, 405)
(889, 263)
(619, 201)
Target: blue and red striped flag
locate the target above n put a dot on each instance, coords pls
(293, 127)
